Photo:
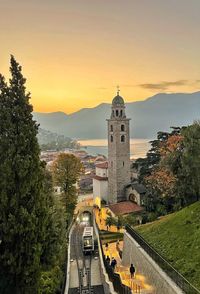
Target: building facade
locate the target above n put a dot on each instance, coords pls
(100, 183)
(118, 152)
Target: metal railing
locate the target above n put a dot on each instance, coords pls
(66, 257)
(118, 286)
(164, 265)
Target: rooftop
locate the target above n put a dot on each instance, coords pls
(125, 207)
(103, 165)
(117, 100)
(139, 188)
(100, 178)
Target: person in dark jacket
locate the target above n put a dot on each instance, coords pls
(132, 271)
(108, 259)
(113, 263)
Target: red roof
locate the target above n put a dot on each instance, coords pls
(125, 207)
(103, 165)
(100, 178)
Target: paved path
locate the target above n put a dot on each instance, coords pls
(138, 283)
(101, 217)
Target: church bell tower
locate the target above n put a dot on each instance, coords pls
(118, 151)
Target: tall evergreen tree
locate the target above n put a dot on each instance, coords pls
(23, 209)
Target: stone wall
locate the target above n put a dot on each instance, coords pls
(133, 253)
(118, 159)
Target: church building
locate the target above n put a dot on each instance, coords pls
(112, 182)
(118, 151)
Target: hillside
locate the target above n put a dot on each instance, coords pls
(177, 238)
(147, 117)
(53, 141)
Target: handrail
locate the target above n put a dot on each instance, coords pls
(119, 287)
(179, 280)
(65, 285)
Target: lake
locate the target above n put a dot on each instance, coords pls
(138, 147)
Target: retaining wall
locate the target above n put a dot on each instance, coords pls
(155, 276)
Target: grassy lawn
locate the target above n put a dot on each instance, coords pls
(177, 238)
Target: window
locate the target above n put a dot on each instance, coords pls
(122, 128)
(117, 112)
(123, 163)
(122, 138)
(121, 112)
(111, 138)
(111, 128)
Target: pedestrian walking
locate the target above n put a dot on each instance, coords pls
(113, 263)
(132, 271)
(108, 259)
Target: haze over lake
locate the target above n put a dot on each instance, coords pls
(138, 147)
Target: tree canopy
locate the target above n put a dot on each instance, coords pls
(26, 208)
(66, 171)
(171, 169)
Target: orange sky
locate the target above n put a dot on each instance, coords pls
(75, 52)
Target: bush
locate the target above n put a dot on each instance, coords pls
(152, 216)
(161, 209)
(50, 281)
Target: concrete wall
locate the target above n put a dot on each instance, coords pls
(100, 189)
(133, 253)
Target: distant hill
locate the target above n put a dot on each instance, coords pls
(177, 238)
(147, 117)
(53, 141)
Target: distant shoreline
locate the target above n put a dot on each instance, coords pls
(138, 147)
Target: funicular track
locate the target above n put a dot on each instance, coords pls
(83, 262)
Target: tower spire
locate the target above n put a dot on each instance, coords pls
(118, 90)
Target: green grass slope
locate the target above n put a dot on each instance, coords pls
(177, 238)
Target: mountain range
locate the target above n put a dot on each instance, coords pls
(157, 113)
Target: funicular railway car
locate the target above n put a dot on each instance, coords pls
(88, 240)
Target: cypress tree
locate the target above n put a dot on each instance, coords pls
(23, 205)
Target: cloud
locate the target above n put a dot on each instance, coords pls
(102, 88)
(164, 85)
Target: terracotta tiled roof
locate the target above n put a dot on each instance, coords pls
(125, 207)
(103, 165)
(100, 178)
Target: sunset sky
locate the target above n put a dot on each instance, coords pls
(75, 52)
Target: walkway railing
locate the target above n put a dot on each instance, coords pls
(114, 277)
(165, 266)
(66, 264)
